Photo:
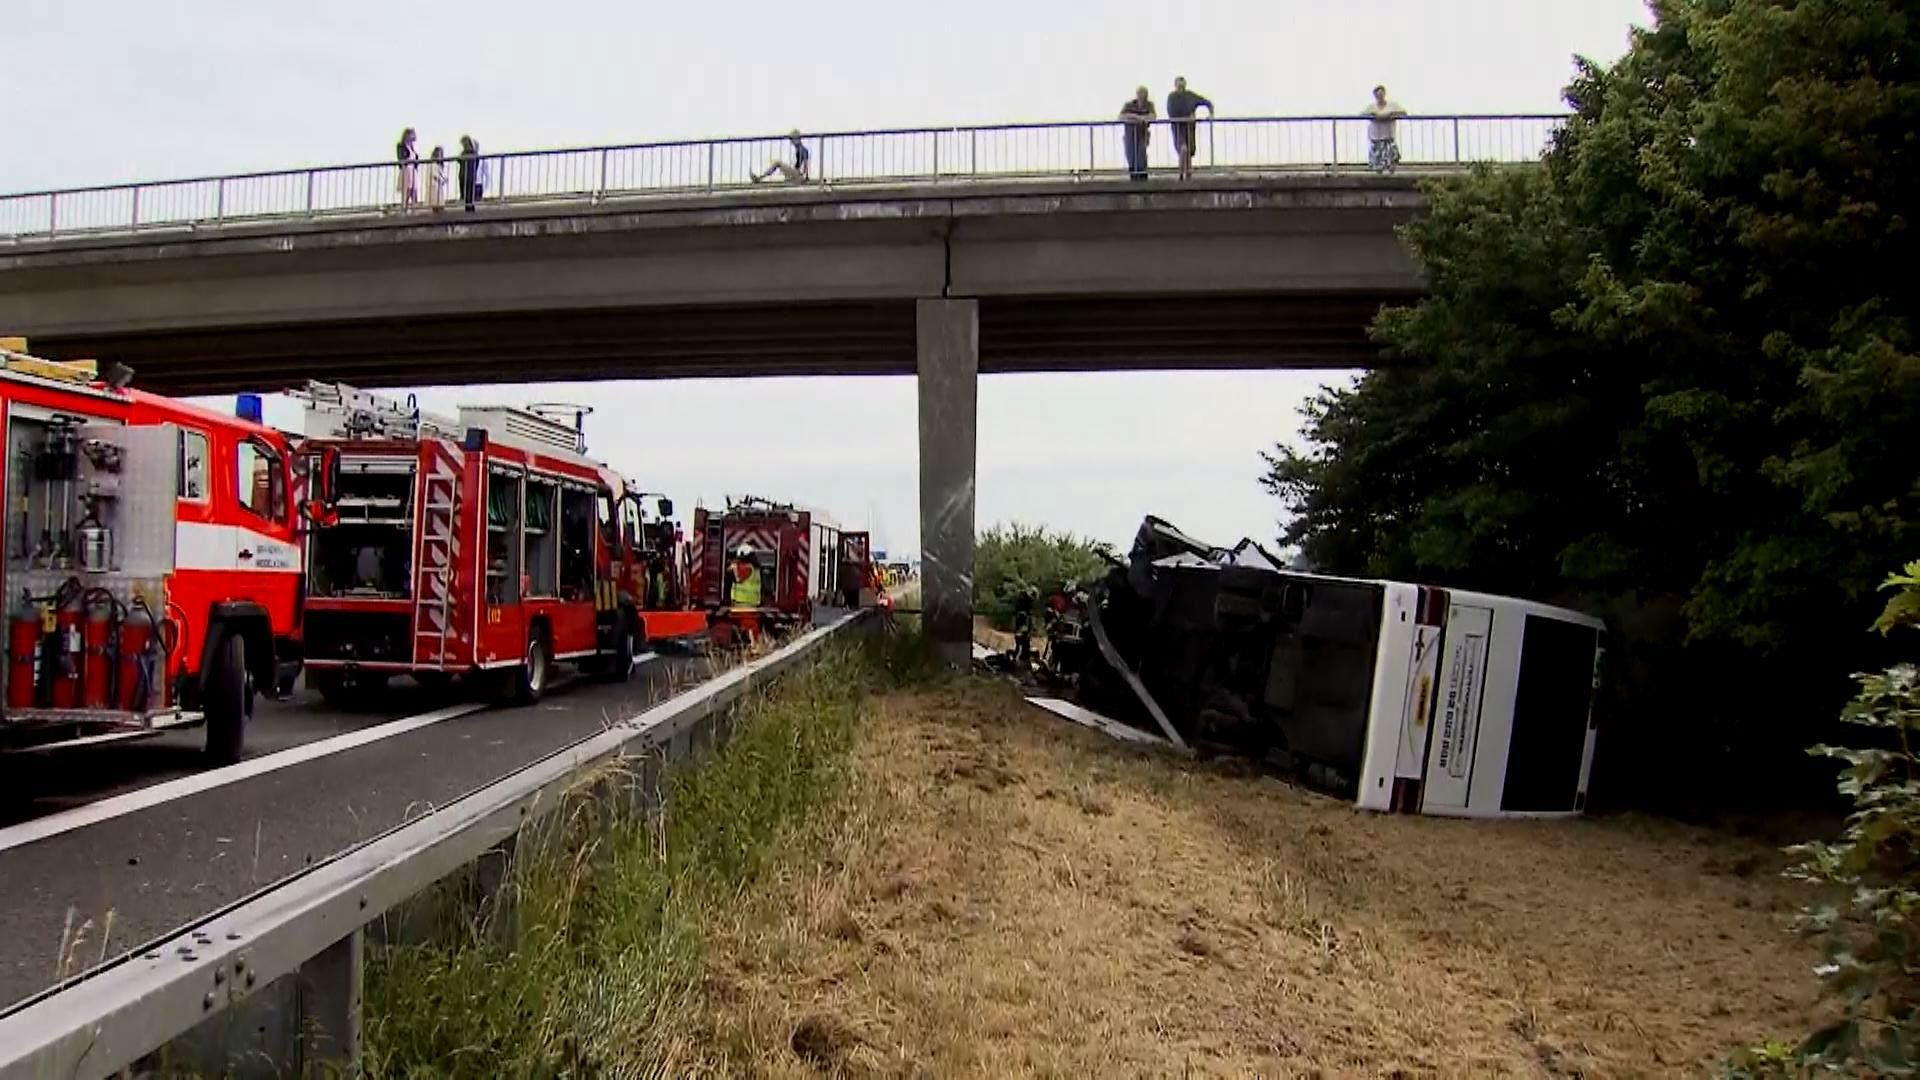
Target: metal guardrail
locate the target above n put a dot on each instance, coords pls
(1083, 149)
(311, 926)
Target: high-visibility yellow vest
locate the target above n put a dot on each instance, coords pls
(746, 593)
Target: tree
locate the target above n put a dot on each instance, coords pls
(1010, 559)
(1669, 375)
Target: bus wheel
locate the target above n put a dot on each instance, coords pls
(229, 701)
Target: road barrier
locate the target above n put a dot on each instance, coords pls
(296, 948)
(959, 155)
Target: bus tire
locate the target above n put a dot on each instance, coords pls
(228, 701)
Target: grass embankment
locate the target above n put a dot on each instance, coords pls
(1000, 894)
(938, 880)
(591, 959)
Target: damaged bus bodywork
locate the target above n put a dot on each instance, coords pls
(1403, 697)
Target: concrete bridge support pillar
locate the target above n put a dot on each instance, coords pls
(949, 367)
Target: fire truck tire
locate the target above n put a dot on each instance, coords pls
(626, 646)
(526, 682)
(229, 701)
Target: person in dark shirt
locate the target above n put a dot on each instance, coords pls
(1137, 117)
(409, 166)
(469, 171)
(792, 173)
(1181, 106)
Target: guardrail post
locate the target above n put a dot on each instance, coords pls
(973, 152)
(1456, 140)
(330, 986)
(1093, 149)
(936, 155)
(823, 159)
(602, 192)
(220, 200)
(1334, 164)
(53, 213)
(309, 192)
(710, 166)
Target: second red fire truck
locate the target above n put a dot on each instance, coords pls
(485, 545)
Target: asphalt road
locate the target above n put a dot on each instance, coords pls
(137, 876)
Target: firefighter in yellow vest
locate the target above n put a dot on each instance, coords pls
(745, 589)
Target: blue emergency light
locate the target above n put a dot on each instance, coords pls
(247, 407)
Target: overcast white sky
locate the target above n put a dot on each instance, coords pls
(114, 90)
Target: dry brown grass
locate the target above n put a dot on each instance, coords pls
(1002, 894)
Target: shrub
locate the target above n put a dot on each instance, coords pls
(1868, 934)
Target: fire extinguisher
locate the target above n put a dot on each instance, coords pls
(72, 657)
(99, 666)
(23, 650)
(136, 665)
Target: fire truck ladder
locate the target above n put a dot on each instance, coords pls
(433, 607)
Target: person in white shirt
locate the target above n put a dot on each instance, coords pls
(437, 179)
(1383, 153)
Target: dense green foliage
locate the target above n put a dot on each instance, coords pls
(1873, 871)
(588, 962)
(1670, 375)
(1010, 558)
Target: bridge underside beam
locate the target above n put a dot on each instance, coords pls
(863, 338)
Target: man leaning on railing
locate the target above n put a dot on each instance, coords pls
(1138, 116)
(1181, 107)
(1383, 150)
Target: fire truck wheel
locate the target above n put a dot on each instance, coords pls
(620, 664)
(229, 701)
(529, 680)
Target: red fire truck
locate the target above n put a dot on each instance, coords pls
(485, 544)
(800, 557)
(150, 560)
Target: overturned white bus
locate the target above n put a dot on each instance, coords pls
(1404, 697)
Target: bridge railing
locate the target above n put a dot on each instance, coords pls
(1071, 150)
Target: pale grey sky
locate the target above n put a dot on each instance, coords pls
(114, 90)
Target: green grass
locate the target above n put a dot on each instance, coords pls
(588, 961)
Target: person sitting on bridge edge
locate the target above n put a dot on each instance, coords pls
(1138, 116)
(795, 173)
(744, 592)
(1181, 105)
(1383, 152)
(409, 167)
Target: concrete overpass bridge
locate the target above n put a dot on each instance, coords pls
(937, 252)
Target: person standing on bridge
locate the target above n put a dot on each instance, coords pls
(1137, 117)
(795, 173)
(1383, 150)
(437, 179)
(469, 171)
(1181, 107)
(409, 169)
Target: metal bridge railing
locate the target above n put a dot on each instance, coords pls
(1086, 149)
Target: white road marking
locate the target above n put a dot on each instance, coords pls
(643, 658)
(107, 809)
